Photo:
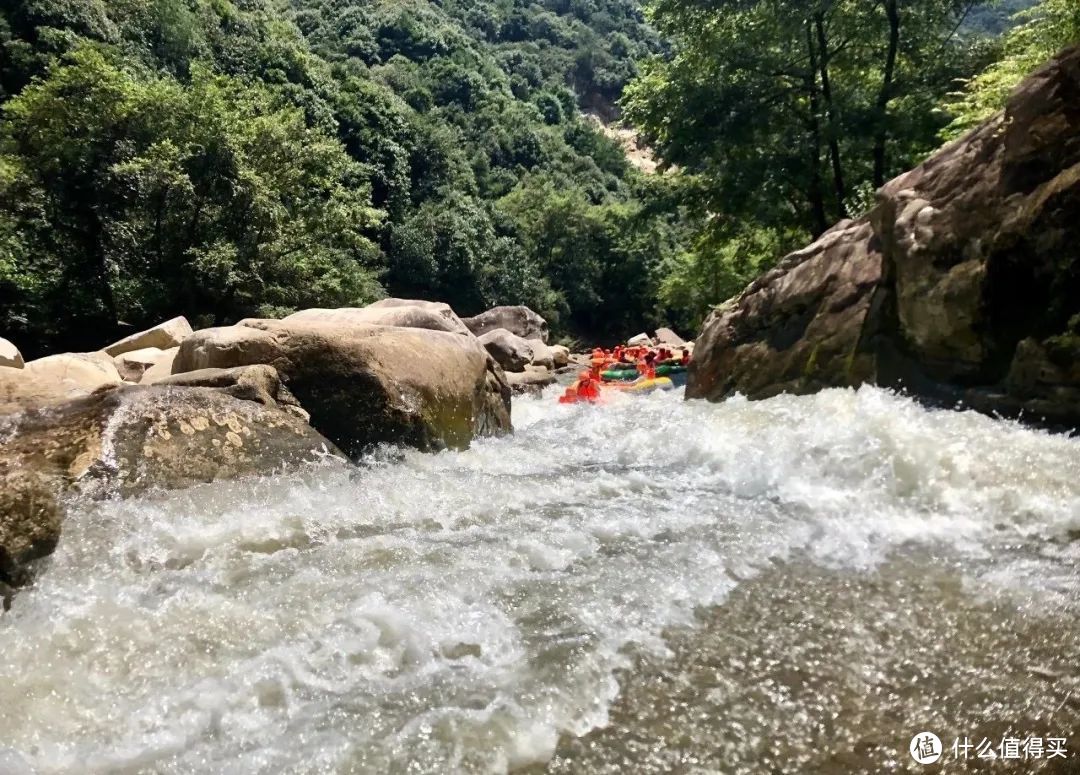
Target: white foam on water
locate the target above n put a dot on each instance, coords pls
(458, 611)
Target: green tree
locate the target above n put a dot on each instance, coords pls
(789, 109)
(135, 196)
(224, 158)
(1040, 32)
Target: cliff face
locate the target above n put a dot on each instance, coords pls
(963, 283)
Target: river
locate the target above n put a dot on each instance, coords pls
(793, 585)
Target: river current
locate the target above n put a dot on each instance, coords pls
(652, 585)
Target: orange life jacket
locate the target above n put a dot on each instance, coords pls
(588, 389)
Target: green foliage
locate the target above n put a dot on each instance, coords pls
(786, 108)
(1040, 32)
(210, 198)
(503, 173)
(784, 116)
(224, 158)
(995, 18)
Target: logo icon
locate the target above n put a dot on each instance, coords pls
(925, 748)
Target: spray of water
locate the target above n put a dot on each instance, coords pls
(459, 611)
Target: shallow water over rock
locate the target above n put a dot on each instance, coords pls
(783, 585)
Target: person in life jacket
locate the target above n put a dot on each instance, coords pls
(584, 389)
(587, 387)
(685, 359)
(647, 366)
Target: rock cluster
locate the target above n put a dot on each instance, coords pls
(170, 406)
(961, 285)
(516, 337)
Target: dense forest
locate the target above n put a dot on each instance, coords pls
(228, 158)
(995, 18)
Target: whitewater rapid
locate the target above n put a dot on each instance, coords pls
(459, 612)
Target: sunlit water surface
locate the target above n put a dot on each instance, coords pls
(467, 611)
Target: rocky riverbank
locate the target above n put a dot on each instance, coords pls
(961, 286)
(170, 406)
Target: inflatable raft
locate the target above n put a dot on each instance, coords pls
(629, 375)
(619, 375)
(646, 385)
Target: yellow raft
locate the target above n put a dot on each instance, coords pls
(646, 385)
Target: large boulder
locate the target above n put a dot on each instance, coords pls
(125, 441)
(795, 328)
(668, 338)
(133, 364)
(74, 374)
(161, 368)
(962, 284)
(542, 355)
(365, 384)
(530, 381)
(509, 350)
(163, 336)
(10, 356)
(259, 383)
(560, 355)
(405, 313)
(20, 390)
(518, 320)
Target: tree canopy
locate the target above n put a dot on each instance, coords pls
(222, 159)
(228, 158)
(1037, 32)
(791, 114)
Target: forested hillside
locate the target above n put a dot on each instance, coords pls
(995, 18)
(224, 159)
(229, 158)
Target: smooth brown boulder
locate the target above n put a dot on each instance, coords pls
(364, 385)
(126, 440)
(962, 284)
(20, 390)
(227, 346)
(796, 328)
(133, 365)
(668, 338)
(163, 336)
(560, 355)
(518, 320)
(530, 382)
(259, 383)
(405, 313)
(56, 378)
(509, 350)
(161, 368)
(10, 356)
(542, 356)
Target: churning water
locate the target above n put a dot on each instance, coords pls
(785, 585)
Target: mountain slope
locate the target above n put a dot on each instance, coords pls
(222, 159)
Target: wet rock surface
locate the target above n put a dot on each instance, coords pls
(961, 285)
(125, 441)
